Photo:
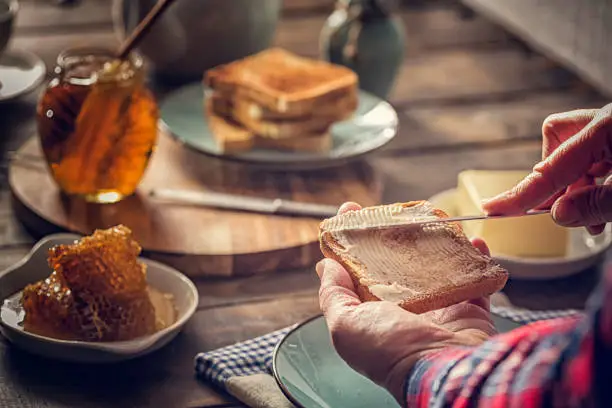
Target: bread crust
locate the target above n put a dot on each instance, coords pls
(229, 136)
(312, 125)
(489, 282)
(286, 129)
(335, 108)
(232, 137)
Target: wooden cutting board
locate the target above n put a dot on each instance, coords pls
(198, 241)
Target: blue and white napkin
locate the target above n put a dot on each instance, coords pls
(245, 369)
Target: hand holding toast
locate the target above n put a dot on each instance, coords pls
(577, 149)
(384, 341)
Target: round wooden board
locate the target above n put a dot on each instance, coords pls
(196, 240)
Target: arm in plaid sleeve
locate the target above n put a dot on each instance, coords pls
(562, 362)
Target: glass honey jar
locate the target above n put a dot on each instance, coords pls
(97, 123)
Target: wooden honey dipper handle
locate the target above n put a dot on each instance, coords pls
(142, 28)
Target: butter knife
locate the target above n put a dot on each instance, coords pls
(407, 223)
(244, 203)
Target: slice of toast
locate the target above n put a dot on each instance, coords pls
(283, 81)
(239, 110)
(220, 105)
(281, 129)
(292, 129)
(229, 136)
(338, 109)
(420, 267)
(317, 143)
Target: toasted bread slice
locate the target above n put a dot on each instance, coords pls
(282, 81)
(318, 143)
(230, 136)
(420, 267)
(220, 105)
(287, 129)
(292, 129)
(338, 109)
(240, 111)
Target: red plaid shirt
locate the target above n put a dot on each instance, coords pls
(564, 362)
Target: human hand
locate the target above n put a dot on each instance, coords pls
(382, 340)
(577, 149)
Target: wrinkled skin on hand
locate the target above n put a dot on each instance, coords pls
(382, 340)
(576, 150)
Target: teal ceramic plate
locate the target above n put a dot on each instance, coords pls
(312, 375)
(372, 126)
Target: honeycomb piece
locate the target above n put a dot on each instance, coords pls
(97, 292)
(48, 304)
(103, 263)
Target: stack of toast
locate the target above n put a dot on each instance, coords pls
(278, 100)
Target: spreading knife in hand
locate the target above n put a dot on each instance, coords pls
(288, 207)
(244, 203)
(412, 222)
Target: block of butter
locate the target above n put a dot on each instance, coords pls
(535, 236)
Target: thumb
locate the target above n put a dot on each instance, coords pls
(337, 292)
(585, 206)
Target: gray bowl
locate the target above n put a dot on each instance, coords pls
(33, 267)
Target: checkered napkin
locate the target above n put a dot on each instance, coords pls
(244, 369)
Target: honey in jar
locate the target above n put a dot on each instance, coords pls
(97, 123)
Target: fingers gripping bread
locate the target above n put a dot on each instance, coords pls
(421, 268)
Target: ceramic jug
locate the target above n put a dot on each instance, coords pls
(195, 35)
(365, 36)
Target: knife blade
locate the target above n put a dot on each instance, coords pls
(408, 223)
(244, 203)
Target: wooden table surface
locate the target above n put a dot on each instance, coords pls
(468, 96)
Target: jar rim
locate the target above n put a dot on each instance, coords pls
(82, 52)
